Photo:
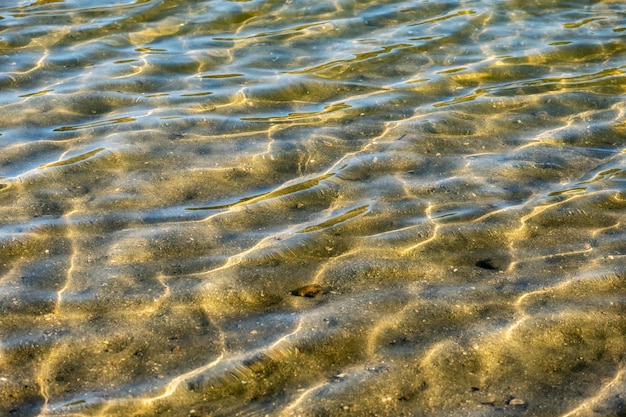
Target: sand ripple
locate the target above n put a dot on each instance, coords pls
(298, 208)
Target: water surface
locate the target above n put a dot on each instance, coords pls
(312, 208)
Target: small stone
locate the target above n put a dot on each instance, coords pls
(309, 291)
(488, 264)
(517, 403)
(339, 376)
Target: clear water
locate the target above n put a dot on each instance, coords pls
(312, 208)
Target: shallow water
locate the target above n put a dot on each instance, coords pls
(313, 208)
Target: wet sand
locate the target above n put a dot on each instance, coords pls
(314, 235)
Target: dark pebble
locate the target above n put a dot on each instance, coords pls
(310, 291)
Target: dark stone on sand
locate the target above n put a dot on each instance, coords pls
(488, 264)
(310, 291)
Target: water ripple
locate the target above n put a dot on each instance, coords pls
(305, 208)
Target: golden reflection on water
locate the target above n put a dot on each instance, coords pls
(245, 208)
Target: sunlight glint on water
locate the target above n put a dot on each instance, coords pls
(312, 208)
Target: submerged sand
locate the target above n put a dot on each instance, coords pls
(387, 234)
